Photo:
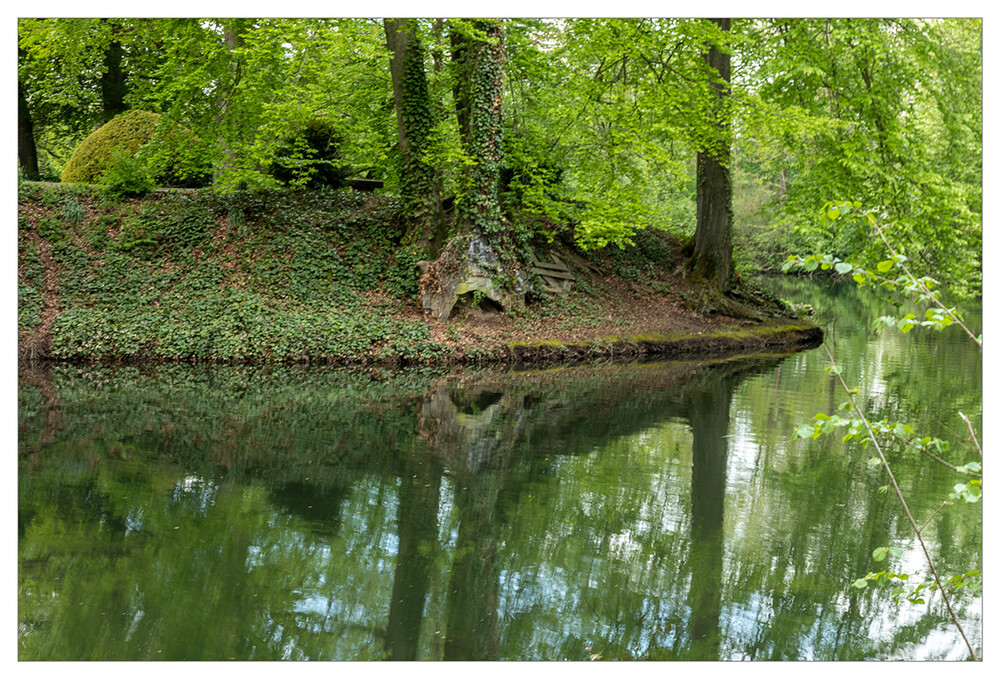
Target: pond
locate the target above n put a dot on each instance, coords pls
(646, 511)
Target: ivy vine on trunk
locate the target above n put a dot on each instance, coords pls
(418, 180)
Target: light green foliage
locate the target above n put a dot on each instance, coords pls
(871, 108)
(915, 594)
(126, 176)
(60, 67)
(606, 139)
(601, 118)
(274, 75)
(920, 290)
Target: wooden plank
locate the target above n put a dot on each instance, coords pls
(557, 277)
(565, 275)
(553, 272)
(556, 264)
(549, 267)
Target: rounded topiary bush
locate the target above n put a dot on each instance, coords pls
(172, 157)
(124, 133)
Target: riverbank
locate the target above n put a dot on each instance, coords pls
(321, 277)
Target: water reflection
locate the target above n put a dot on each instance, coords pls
(652, 511)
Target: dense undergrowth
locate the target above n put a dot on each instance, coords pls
(284, 276)
(300, 276)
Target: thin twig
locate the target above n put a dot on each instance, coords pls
(902, 501)
(956, 437)
(972, 432)
(931, 517)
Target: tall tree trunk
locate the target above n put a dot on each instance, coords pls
(482, 92)
(27, 154)
(491, 252)
(460, 91)
(113, 87)
(418, 182)
(228, 129)
(712, 258)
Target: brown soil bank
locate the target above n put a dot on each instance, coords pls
(325, 278)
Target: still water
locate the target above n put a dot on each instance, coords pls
(653, 511)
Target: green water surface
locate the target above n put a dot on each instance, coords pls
(652, 511)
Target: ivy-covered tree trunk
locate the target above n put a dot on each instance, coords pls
(712, 257)
(418, 182)
(482, 94)
(483, 259)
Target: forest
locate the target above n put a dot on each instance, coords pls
(730, 134)
(471, 339)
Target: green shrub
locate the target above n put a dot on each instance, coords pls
(126, 177)
(172, 155)
(125, 133)
(311, 158)
(177, 157)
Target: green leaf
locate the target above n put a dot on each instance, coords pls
(803, 432)
(880, 553)
(843, 267)
(860, 583)
(970, 468)
(884, 265)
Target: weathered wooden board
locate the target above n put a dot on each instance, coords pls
(556, 276)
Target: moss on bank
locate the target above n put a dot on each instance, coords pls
(317, 276)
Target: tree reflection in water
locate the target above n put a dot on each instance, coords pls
(574, 513)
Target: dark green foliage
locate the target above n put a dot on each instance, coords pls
(29, 306)
(30, 262)
(170, 279)
(644, 261)
(165, 228)
(50, 228)
(312, 157)
(29, 284)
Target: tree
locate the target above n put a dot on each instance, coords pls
(479, 108)
(77, 74)
(27, 154)
(418, 182)
(712, 256)
(113, 81)
(871, 110)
